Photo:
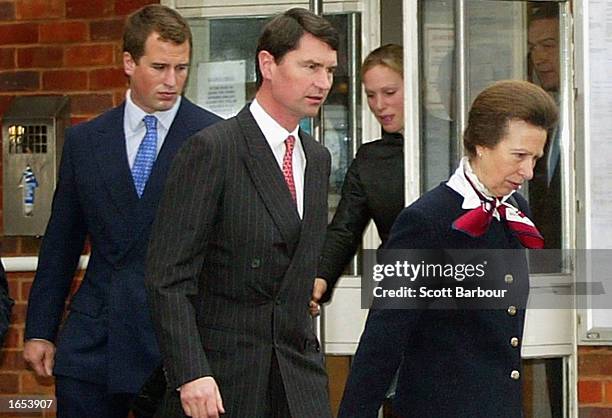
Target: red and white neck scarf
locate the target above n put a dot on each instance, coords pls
(482, 207)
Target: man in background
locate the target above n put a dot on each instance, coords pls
(545, 187)
(234, 250)
(111, 177)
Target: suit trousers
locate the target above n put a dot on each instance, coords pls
(79, 399)
(276, 392)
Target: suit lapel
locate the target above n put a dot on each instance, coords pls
(315, 194)
(111, 156)
(177, 134)
(268, 178)
(313, 180)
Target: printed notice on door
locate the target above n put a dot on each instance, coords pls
(221, 86)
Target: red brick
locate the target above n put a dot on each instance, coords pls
(12, 360)
(119, 97)
(7, 58)
(75, 120)
(594, 412)
(19, 81)
(26, 275)
(595, 365)
(30, 245)
(38, 9)
(13, 284)
(595, 349)
(63, 32)
(124, 7)
(7, 11)
(608, 392)
(24, 289)
(590, 391)
(19, 314)
(64, 80)
(9, 383)
(107, 30)
(9, 244)
(91, 104)
(84, 55)
(13, 338)
(46, 57)
(87, 8)
(32, 384)
(19, 33)
(107, 78)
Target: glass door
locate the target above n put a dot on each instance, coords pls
(464, 46)
(223, 80)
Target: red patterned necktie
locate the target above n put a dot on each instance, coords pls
(288, 165)
(476, 221)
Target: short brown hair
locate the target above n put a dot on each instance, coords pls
(167, 22)
(503, 102)
(283, 33)
(389, 55)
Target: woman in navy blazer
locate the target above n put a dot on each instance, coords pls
(463, 362)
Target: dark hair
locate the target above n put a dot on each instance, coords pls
(389, 55)
(544, 11)
(503, 102)
(283, 33)
(167, 22)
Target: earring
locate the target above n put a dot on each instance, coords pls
(480, 155)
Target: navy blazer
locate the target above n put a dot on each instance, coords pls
(454, 362)
(108, 337)
(5, 304)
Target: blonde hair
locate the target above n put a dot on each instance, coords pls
(389, 55)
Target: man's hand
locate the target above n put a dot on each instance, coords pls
(201, 398)
(40, 355)
(319, 288)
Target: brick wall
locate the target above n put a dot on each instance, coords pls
(64, 47)
(73, 47)
(595, 382)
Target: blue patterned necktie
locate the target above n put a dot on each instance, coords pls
(145, 157)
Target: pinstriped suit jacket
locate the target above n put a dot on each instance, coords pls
(231, 268)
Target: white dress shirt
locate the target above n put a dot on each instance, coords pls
(134, 127)
(275, 136)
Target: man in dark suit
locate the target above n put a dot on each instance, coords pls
(235, 244)
(6, 304)
(545, 187)
(111, 178)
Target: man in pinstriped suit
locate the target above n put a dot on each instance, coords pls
(233, 255)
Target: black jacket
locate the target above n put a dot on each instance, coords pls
(373, 189)
(5, 305)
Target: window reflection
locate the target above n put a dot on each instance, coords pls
(503, 40)
(232, 40)
(542, 388)
(545, 188)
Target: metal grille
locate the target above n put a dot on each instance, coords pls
(28, 139)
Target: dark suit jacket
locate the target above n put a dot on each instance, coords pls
(231, 269)
(373, 189)
(454, 363)
(108, 337)
(5, 304)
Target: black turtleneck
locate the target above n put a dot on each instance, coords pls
(373, 189)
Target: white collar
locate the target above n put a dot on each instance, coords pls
(459, 183)
(272, 130)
